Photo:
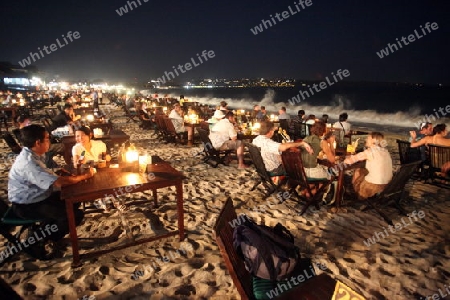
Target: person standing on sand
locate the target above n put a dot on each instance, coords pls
(223, 136)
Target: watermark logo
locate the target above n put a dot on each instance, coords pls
(393, 229)
(30, 240)
(53, 47)
(391, 48)
(294, 281)
(439, 296)
(124, 9)
(187, 66)
(431, 118)
(319, 87)
(265, 24)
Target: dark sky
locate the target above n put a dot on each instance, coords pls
(150, 39)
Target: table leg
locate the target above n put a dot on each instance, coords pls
(73, 233)
(340, 188)
(155, 197)
(180, 209)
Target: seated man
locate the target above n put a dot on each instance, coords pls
(223, 136)
(425, 129)
(32, 186)
(176, 116)
(23, 121)
(64, 118)
(271, 150)
(378, 171)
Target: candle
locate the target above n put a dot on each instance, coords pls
(90, 118)
(131, 156)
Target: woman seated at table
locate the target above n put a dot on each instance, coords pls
(92, 150)
(438, 138)
(320, 146)
(372, 179)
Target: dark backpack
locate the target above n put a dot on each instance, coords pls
(268, 253)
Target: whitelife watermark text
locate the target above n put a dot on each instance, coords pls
(187, 66)
(30, 240)
(391, 48)
(398, 226)
(53, 47)
(319, 87)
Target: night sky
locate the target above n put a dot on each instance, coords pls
(149, 40)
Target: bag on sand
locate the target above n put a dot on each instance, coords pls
(268, 253)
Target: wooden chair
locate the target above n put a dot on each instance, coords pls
(211, 153)
(438, 156)
(295, 171)
(300, 130)
(265, 177)
(318, 288)
(48, 124)
(130, 115)
(11, 142)
(172, 134)
(394, 191)
(407, 154)
(3, 121)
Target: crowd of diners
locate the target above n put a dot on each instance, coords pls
(33, 186)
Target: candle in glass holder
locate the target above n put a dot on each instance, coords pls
(143, 163)
(90, 118)
(131, 156)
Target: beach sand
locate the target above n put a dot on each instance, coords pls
(407, 264)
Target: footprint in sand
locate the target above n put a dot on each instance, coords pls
(135, 230)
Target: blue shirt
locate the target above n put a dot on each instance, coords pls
(29, 180)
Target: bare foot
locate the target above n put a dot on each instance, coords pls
(243, 166)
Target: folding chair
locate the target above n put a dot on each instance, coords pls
(11, 142)
(172, 135)
(394, 191)
(265, 177)
(131, 115)
(438, 156)
(407, 154)
(317, 288)
(292, 162)
(211, 153)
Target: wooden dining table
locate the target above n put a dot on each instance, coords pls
(107, 182)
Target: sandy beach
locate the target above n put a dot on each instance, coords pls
(410, 263)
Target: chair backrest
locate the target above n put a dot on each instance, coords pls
(300, 130)
(169, 126)
(159, 119)
(284, 124)
(205, 126)
(406, 153)
(438, 155)
(207, 144)
(235, 265)
(255, 154)
(293, 165)
(48, 125)
(11, 142)
(397, 184)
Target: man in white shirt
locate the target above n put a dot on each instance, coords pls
(343, 124)
(271, 150)
(223, 136)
